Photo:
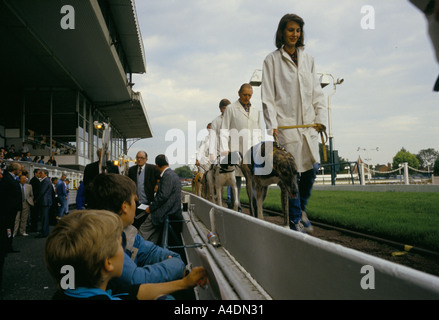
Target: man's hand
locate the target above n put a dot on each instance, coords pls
(197, 276)
(320, 127)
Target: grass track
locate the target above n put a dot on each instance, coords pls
(408, 217)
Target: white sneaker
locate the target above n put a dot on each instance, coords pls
(306, 223)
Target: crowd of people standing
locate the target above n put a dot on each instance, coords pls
(150, 195)
(28, 205)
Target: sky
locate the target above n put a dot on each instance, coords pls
(201, 51)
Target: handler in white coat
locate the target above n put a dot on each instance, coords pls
(240, 129)
(292, 96)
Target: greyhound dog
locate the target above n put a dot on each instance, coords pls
(197, 182)
(281, 169)
(222, 175)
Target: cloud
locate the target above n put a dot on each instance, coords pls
(199, 52)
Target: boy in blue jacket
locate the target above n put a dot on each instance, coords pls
(84, 252)
(144, 262)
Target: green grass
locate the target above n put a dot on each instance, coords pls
(407, 217)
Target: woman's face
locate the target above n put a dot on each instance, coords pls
(291, 34)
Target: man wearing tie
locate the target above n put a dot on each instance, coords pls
(44, 202)
(145, 176)
(10, 204)
(27, 201)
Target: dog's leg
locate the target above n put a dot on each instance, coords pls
(262, 194)
(286, 209)
(250, 188)
(250, 195)
(235, 196)
(211, 185)
(259, 202)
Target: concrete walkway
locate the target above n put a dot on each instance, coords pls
(25, 276)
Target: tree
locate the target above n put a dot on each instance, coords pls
(427, 157)
(436, 167)
(405, 156)
(184, 172)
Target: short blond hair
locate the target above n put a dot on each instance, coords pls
(83, 239)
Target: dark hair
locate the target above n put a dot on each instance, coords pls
(223, 103)
(108, 191)
(281, 28)
(161, 160)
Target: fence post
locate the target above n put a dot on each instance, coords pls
(406, 173)
(362, 178)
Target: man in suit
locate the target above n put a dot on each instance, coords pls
(167, 202)
(35, 183)
(92, 170)
(44, 202)
(10, 201)
(27, 201)
(61, 192)
(145, 177)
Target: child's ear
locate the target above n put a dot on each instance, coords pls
(124, 208)
(108, 265)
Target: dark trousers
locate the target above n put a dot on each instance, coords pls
(44, 214)
(10, 224)
(34, 212)
(305, 183)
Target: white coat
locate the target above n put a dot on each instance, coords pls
(247, 126)
(215, 145)
(293, 96)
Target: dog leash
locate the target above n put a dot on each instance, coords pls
(320, 129)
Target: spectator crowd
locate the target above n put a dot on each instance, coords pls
(110, 236)
(24, 154)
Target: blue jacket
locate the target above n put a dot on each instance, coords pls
(145, 262)
(61, 190)
(45, 195)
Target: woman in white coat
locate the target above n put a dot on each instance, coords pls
(292, 96)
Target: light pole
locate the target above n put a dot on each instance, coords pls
(325, 79)
(105, 144)
(368, 158)
(256, 79)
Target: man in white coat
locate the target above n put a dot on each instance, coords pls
(215, 143)
(240, 129)
(202, 156)
(431, 10)
(292, 96)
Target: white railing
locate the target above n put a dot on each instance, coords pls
(260, 260)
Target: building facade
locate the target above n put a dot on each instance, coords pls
(66, 65)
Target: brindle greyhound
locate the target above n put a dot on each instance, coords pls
(281, 169)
